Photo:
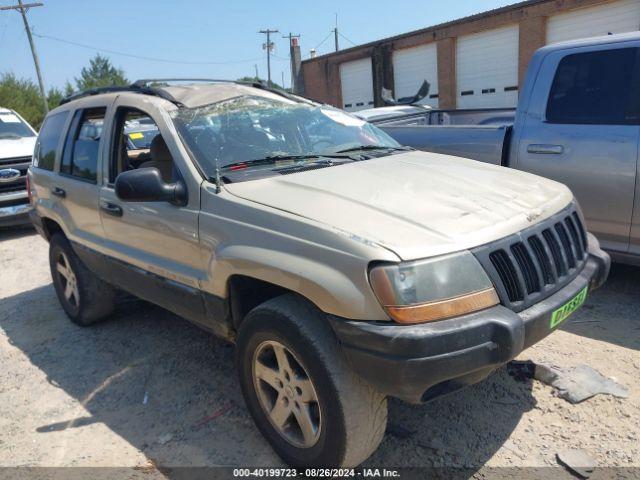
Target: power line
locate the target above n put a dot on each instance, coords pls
(352, 43)
(324, 40)
(140, 57)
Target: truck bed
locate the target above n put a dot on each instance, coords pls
(486, 143)
(468, 116)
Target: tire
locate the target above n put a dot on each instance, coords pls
(350, 415)
(92, 299)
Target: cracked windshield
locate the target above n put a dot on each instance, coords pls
(248, 132)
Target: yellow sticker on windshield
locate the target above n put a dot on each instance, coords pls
(136, 136)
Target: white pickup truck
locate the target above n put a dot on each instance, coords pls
(17, 139)
(577, 122)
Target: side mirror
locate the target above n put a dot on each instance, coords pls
(147, 185)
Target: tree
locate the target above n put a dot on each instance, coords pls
(100, 73)
(23, 96)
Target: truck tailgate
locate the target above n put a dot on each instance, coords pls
(478, 142)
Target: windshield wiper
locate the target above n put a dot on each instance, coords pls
(271, 159)
(373, 147)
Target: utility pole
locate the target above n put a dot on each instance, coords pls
(256, 67)
(268, 47)
(23, 8)
(282, 84)
(335, 34)
(294, 58)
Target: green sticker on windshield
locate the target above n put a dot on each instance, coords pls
(562, 313)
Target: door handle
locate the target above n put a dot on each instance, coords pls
(112, 209)
(58, 192)
(545, 149)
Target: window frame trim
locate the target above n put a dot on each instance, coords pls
(58, 148)
(75, 127)
(115, 126)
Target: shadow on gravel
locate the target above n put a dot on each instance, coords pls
(612, 313)
(9, 233)
(462, 430)
(170, 390)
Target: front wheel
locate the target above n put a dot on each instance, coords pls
(307, 402)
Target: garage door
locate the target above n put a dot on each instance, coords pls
(357, 84)
(487, 69)
(411, 67)
(617, 17)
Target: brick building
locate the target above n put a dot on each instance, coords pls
(477, 61)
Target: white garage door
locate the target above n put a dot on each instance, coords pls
(617, 17)
(357, 84)
(487, 69)
(411, 67)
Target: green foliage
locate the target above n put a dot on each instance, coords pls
(23, 96)
(100, 73)
(68, 88)
(54, 97)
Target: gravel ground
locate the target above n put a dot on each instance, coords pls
(147, 387)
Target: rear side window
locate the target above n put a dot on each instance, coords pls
(45, 152)
(595, 88)
(80, 156)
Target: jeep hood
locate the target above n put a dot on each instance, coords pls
(17, 147)
(416, 204)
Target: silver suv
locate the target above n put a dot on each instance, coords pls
(345, 267)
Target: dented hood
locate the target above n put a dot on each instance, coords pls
(416, 204)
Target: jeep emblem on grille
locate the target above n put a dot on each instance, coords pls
(9, 175)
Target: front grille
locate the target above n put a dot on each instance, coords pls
(17, 163)
(7, 162)
(535, 263)
(508, 275)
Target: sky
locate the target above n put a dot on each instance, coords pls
(198, 38)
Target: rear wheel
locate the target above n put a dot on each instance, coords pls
(85, 298)
(307, 402)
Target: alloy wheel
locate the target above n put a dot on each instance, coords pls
(68, 280)
(286, 394)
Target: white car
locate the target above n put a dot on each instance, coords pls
(17, 140)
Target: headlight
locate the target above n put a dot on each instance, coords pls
(433, 289)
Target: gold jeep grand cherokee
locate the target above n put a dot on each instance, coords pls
(344, 267)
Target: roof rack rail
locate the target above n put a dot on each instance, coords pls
(146, 86)
(96, 91)
(148, 82)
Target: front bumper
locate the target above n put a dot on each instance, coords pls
(417, 363)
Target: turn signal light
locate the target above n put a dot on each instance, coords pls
(439, 310)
